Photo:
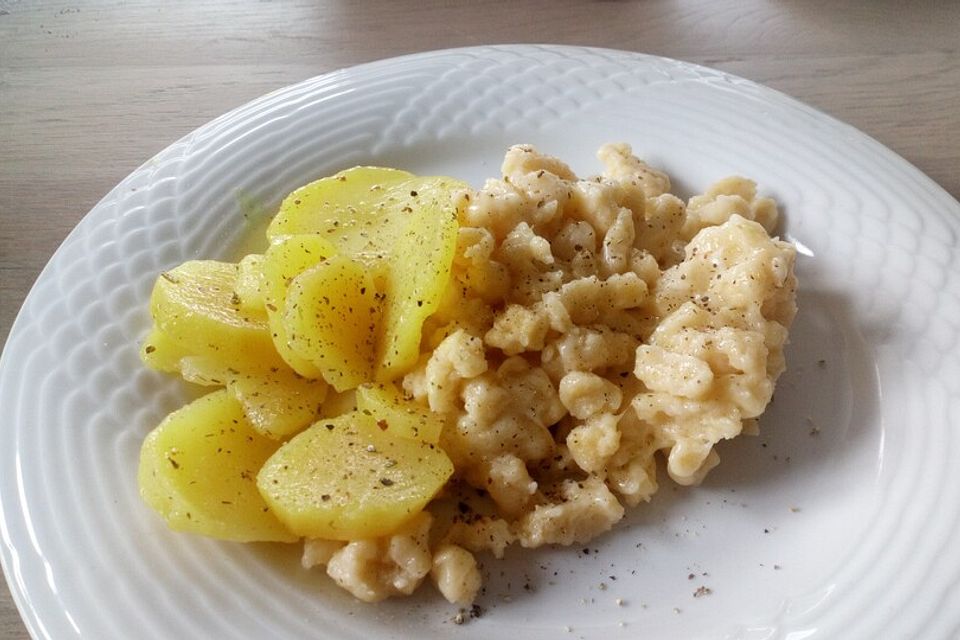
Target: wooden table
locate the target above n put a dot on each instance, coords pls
(88, 91)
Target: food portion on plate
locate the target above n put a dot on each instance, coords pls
(415, 372)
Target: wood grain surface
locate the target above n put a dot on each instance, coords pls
(88, 91)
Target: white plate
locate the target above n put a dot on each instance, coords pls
(846, 532)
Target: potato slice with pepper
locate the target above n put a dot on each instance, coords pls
(194, 306)
(418, 272)
(198, 470)
(249, 288)
(346, 479)
(341, 205)
(278, 402)
(331, 320)
(402, 226)
(398, 415)
(159, 351)
(338, 403)
(283, 261)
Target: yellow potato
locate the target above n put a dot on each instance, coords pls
(403, 227)
(357, 263)
(160, 352)
(284, 260)
(340, 205)
(346, 479)
(205, 371)
(278, 402)
(331, 320)
(419, 270)
(249, 287)
(198, 471)
(398, 415)
(338, 403)
(194, 306)
(281, 403)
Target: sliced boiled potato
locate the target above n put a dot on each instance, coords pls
(343, 206)
(331, 320)
(338, 403)
(281, 403)
(357, 263)
(198, 470)
(402, 226)
(398, 415)
(249, 288)
(283, 261)
(278, 402)
(418, 273)
(346, 479)
(194, 306)
(159, 351)
(206, 371)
